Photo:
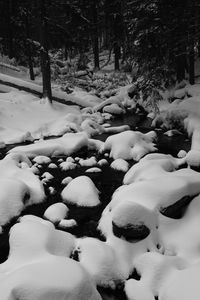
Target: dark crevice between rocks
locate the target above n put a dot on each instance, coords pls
(177, 209)
(134, 275)
(109, 294)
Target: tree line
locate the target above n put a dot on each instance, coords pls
(161, 37)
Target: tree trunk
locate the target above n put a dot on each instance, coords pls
(95, 36)
(45, 61)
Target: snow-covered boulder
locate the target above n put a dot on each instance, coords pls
(56, 212)
(41, 159)
(89, 162)
(113, 109)
(100, 260)
(19, 187)
(38, 266)
(81, 191)
(130, 144)
(133, 221)
(66, 165)
(120, 164)
(65, 145)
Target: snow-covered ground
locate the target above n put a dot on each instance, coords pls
(150, 225)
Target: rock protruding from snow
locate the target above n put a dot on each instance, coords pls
(133, 221)
(130, 144)
(81, 191)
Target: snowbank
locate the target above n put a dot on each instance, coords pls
(19, 187)
(66, 145)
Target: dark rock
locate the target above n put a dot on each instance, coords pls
(132, 233)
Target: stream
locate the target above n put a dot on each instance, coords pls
(106, 181)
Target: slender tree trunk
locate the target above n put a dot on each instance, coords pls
(95, 37)
(45, 60)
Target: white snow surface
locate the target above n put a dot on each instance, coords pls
(81, 191)
(56, 212)
(130, 144)
(19, 187)
(38, 266)
(120, 164)
(65, 145)
(19, 108)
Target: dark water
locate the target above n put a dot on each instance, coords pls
(107, 181)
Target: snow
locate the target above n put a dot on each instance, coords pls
(19, 187)
(66, 180)
(99, 259)
(85, 195)
(66, 165)
(152, 166)
(130, 144)
(56, 212)
(65, 145)
(41, 160)
(19, 108)
(120, 165)
(89, 162)
(102, 162)
(38, 266)
(93, 170)
(113, 109)
(65, 224)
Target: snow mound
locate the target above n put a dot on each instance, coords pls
(66, 165)
(89, 162)
(37, 267)
(42, 160)
(81, 191)
(93, 170)
(130, 144)
(56, 212)
(120, 165)
(151, 166)
(65, 145)
(99, 259)
(19, 186)
(113, 109)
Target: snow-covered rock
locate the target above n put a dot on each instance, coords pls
(38, 266)
(89, 162)
(65, 145)
(130, 144)
(93, 170)
(120, 164)
(56, 212)
(81, 191)
(41, 159)
(66, 165)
